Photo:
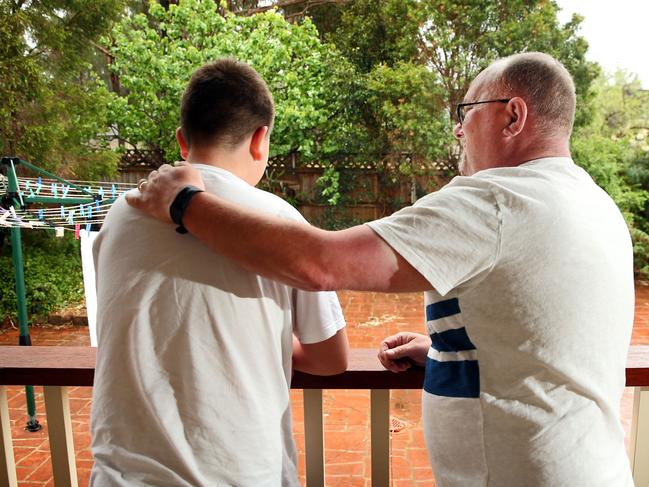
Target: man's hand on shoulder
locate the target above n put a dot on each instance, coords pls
(156, 194)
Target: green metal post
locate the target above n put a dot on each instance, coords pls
(24, 338)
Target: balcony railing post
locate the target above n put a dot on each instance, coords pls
(7, 462)
(314, 437)
(59, 427)
(380, 416)
(639, 445)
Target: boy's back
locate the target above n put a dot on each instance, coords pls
(194, 360)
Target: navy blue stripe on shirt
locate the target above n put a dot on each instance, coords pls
(452, 379)
(454, 340)
(442, 309)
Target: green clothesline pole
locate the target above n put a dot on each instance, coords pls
(17, 200)
(16, 247)
(53, 176)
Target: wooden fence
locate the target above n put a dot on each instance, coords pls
(368, 191)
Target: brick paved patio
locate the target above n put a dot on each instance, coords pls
(370, 317)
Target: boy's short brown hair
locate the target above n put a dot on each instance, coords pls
(224, 102)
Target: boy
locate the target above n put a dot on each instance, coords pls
(194, 358)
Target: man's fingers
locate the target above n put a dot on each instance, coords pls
(394, 340)
(164, 168)
(395, 359)
(394, 365)
(399, 352)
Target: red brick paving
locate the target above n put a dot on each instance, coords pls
(370, 317)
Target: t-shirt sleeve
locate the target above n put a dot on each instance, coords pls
(450, 236)
(318, 315)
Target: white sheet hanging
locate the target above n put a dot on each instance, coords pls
(87, 264)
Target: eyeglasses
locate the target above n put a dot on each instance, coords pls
(460, 106)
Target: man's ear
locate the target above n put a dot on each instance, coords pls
(258, 146)
(182, 143)
(517, 113)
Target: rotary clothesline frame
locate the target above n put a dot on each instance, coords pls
(87, 202)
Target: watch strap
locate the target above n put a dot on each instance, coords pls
(179, 205)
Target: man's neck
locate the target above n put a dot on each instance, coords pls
(538, 148)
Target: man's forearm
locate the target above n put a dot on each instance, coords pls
(300, 255)
(286, 251)
(296, 254)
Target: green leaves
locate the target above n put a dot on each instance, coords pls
(154, 58)
(53, 109)
(404, 100)
(53, 275)
(459, 39)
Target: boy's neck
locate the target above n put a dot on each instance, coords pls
(234, 161)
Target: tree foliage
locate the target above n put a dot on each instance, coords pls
(53, 275)
(370, 33)
(450, 41)
(622, 107)
(403, 103)
(155, 54)
(460, 38)
(54, 106)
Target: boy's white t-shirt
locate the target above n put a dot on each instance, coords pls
(530, 321)
(194, 358)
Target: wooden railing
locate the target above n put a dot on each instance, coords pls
(57, 368)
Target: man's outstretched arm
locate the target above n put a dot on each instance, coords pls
(299, 255)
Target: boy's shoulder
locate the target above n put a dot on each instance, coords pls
(232, 188)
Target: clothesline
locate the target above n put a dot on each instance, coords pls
(62, 206)
(49, 187)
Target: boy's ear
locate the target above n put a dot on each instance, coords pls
(182, 143)
(258, 146)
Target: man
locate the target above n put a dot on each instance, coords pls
(526, 267)
(194, 360)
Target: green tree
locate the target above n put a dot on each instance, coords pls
(370, 33)
(622, 107)
(613, 146)
(403, 102)
(155, 55)
(54, 107)
(460, 38)
(452, 40)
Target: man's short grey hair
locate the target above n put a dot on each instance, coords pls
(545, 85)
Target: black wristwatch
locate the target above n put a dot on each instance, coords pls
(179, 205)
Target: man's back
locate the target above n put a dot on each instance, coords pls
(530, 326)
(194, 354)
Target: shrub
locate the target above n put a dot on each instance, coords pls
(53, 275)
